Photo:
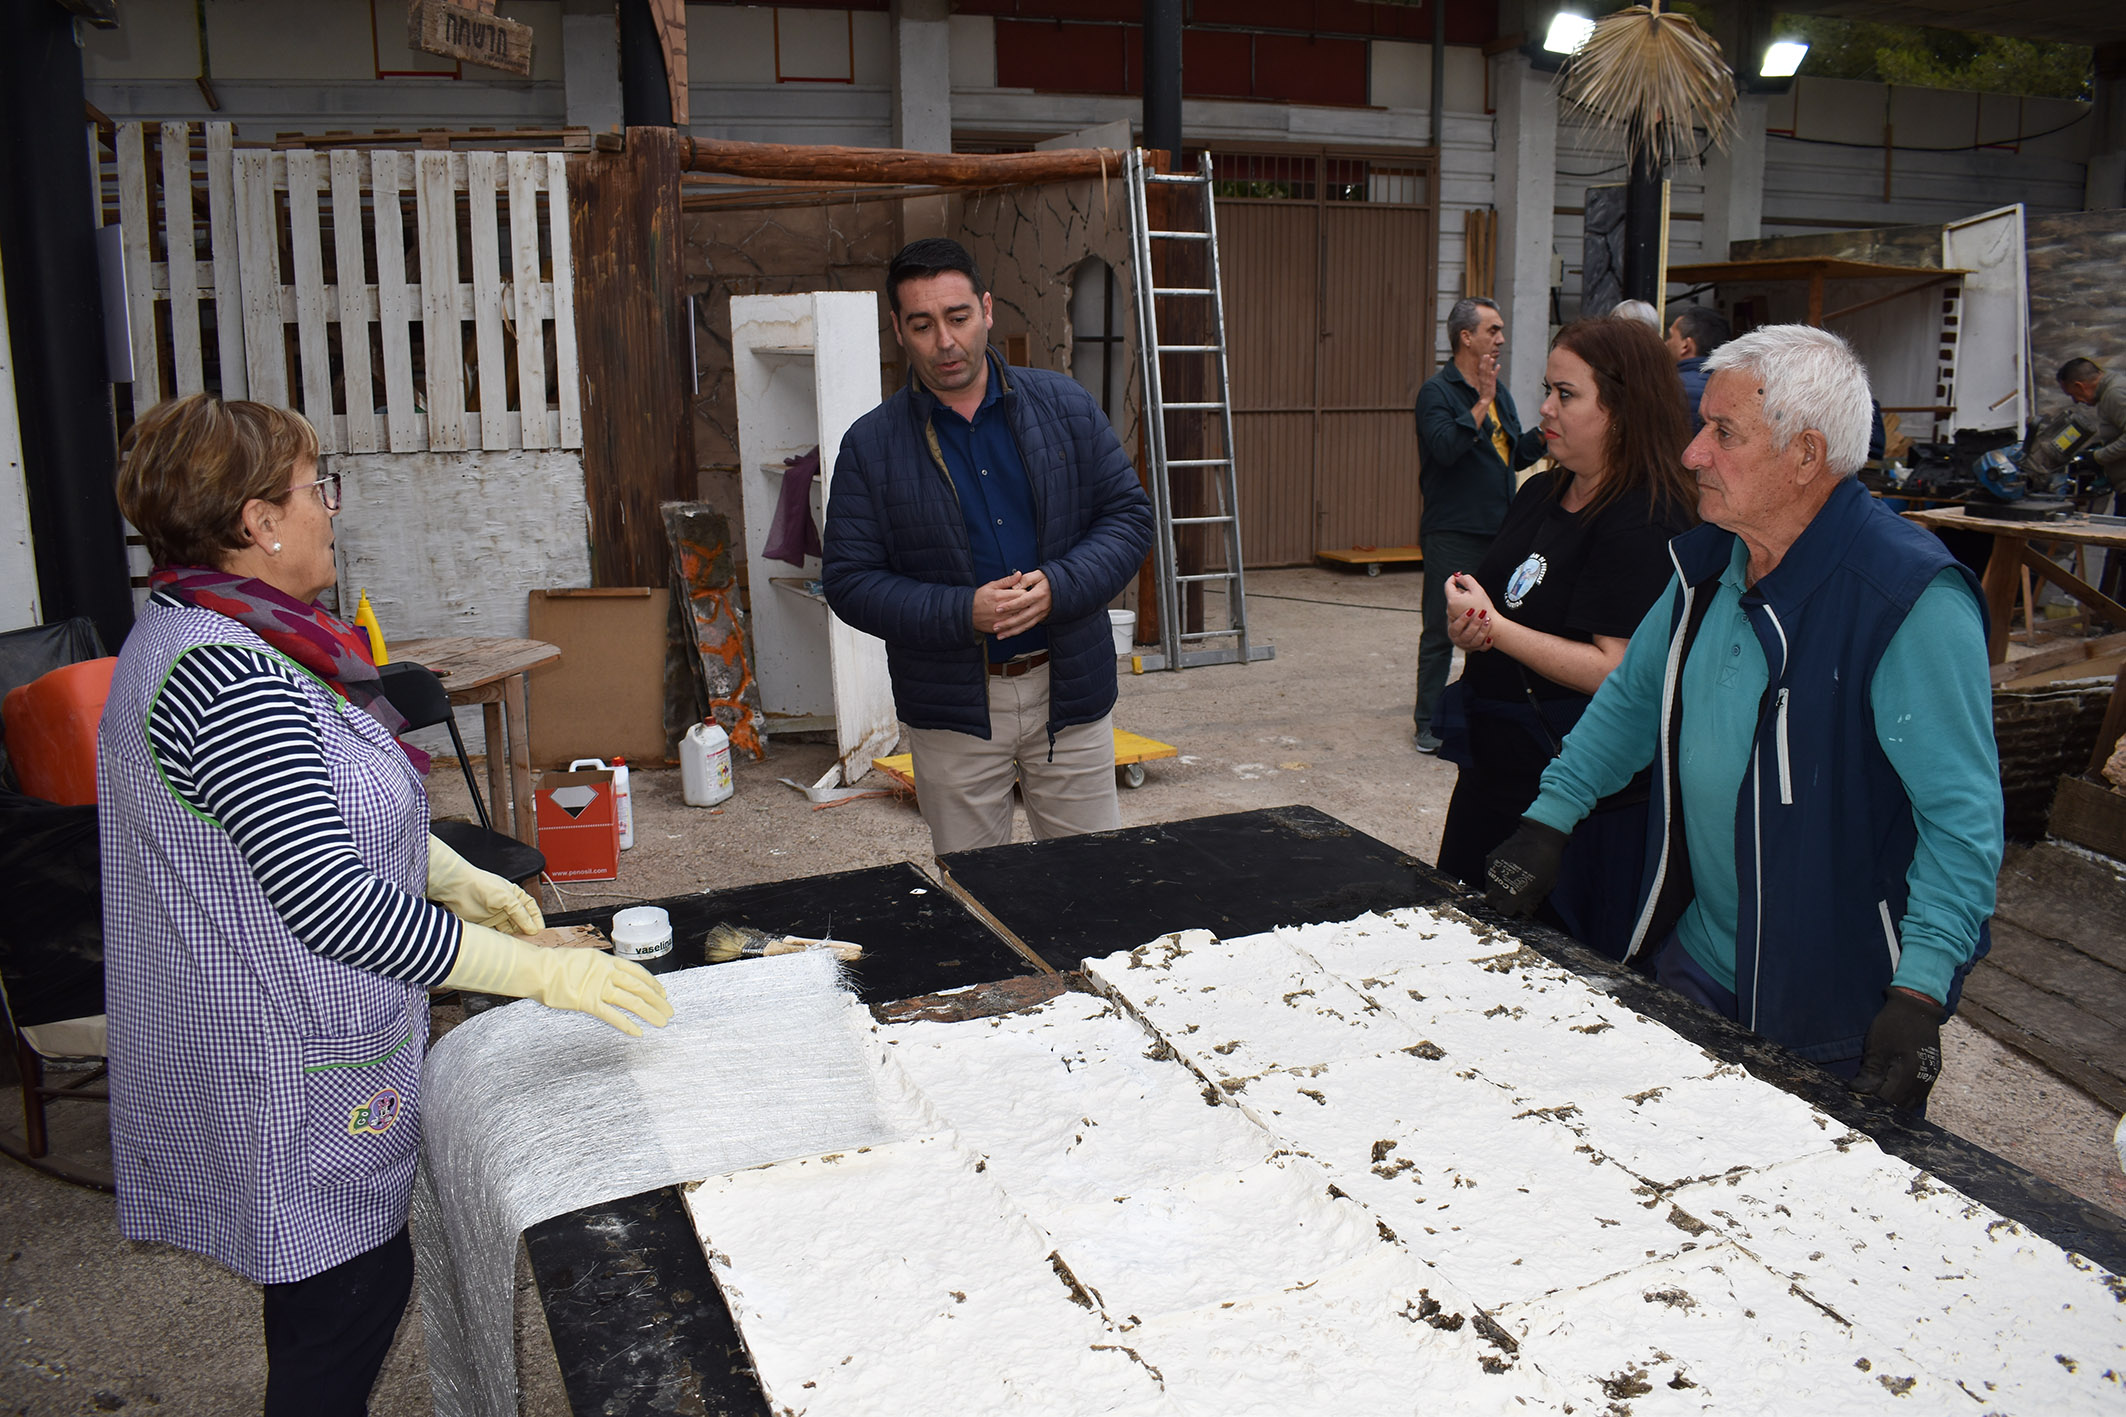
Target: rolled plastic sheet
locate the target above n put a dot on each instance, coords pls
(529, 1113)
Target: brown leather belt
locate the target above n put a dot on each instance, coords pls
(1013, 668)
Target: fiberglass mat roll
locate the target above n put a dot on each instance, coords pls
(528, 1113)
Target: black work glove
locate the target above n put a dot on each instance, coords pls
(1902, 1056)
(1522, 871)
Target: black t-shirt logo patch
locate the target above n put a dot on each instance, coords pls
(1525, 578)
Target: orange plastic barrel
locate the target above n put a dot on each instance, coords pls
(51, 731)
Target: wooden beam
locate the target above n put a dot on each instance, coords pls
(2107, 734)
(1843, 311)
(2073, 584)
(801, 163)
(632, 344)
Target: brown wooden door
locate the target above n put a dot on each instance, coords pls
(1328, 268)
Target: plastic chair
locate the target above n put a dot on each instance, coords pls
(417, 693)
(51, 731)
(26, 655)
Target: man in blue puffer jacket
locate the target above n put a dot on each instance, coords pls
(979, 522)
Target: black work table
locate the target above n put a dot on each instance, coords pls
(637, 1321)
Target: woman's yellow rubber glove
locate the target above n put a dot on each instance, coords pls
(588, 981)
(481, 897)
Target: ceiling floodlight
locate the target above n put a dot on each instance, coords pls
(1783, 59)
(1567, 32)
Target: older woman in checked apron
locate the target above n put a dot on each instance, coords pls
(275, 909)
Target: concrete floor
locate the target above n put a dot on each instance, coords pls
(91, 1323)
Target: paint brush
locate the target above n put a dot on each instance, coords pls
(726, 942)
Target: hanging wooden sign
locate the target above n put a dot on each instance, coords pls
(470, 32)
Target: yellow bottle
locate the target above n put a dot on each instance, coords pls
(365, 620)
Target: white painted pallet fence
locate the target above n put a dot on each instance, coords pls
(519, 290)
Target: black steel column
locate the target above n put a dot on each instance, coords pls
(645, 85)
(1162, 76)
(1642, 231)
(55, 323)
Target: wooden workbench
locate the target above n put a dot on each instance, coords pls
(2012, 554)
(491, 672)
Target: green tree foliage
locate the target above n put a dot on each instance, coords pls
(1939, 59)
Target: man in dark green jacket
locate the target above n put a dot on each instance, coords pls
(1469, 444)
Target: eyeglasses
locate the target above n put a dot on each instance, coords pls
(328, 490)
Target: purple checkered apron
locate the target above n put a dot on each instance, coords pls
(264, 1099)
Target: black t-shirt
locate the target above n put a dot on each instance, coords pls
(1571, 574)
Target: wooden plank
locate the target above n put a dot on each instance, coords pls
(224, 243)
(442, 333)
(350, 271)
(638, 434)
(2093, 989)
(135, 209)
(306, 254)
(2047, 1054)
(2067, 673)
(2058, 655)
(524, 172)
(2090, 814)
(2107, 735)
(482, 170)
(567, 367)
(474, 35)
(2064, 895)
(188, 374)
(2066, 1030)
(403, 428)
(259, 279)
(670, 19)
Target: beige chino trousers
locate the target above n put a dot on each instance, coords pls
(963, 783)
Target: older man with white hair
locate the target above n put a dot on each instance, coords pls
(1812, 693)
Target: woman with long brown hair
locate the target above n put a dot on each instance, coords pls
(1582, 556)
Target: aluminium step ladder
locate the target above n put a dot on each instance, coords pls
(1179, 646)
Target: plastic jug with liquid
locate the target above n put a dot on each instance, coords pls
(705, 764)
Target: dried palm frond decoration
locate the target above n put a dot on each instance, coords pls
(1656, 76)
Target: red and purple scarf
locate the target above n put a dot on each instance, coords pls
(319, 641)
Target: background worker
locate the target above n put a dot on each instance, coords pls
(1813, 695)
(1469, 445)
(1692, 337)
(1548, 612)
(275, 909)
(980, 521)
(2084, 382)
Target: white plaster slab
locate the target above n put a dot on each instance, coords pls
(1241, 1006)
(1073, 1103)
(2018, 1321)
(899, 1276)
(1383, 1335)
(1206, 1241)
(1508, 1205)
(1702, 1126)
(1715, 1332)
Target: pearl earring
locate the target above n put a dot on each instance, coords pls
(276, 550)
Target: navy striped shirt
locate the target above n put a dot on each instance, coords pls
(233, 733)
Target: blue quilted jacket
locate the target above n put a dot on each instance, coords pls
(897, 563)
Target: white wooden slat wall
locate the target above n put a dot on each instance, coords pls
(269, 219)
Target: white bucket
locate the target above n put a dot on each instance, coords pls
(1124, 625)
(705, 765)
(642, 932)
